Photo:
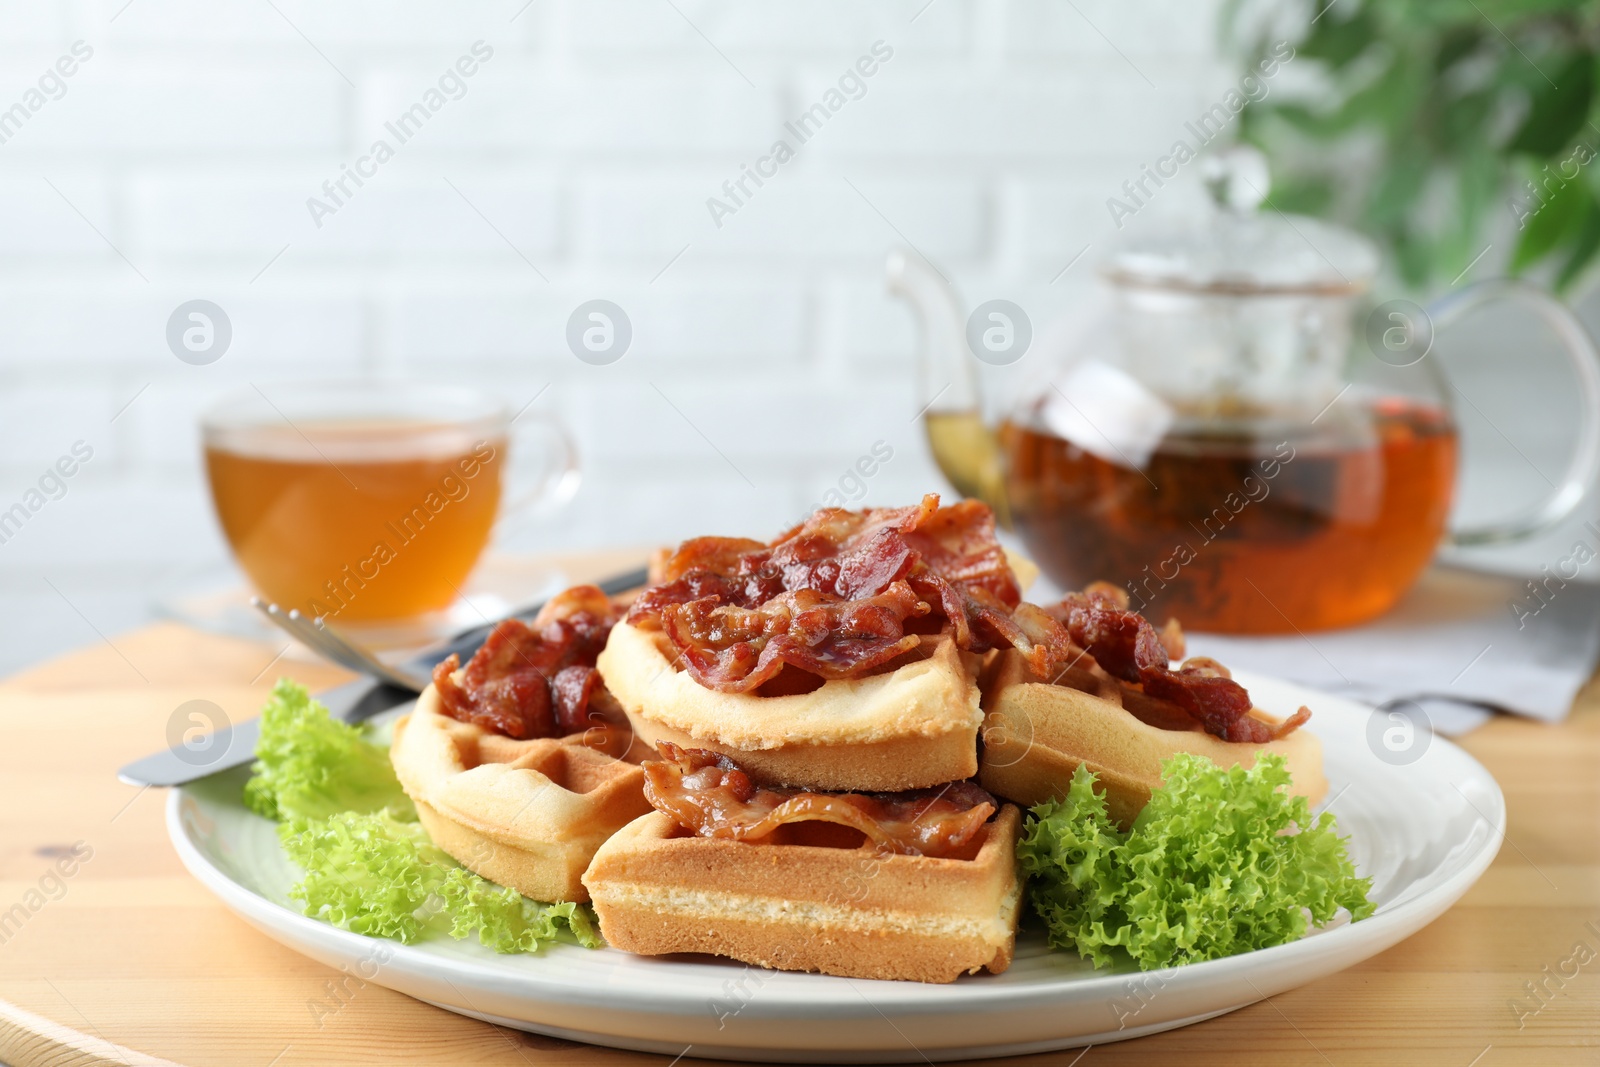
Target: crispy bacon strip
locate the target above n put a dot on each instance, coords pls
(1121, 641)
(707, 792)
(843, 593)
(829, 638)
(1124, 644)
(533, 680)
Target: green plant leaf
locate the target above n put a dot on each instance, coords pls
(1339, 41)
(1478, 183)
(1381, 100)
(1557, 110)
(1318, 123)
(1461, 121)
(1584, 246)
(1413, 100)
(1413, 253)
(1397, 189)
(1499, 13)
(1302, 195)
(1456, 44)
(1549, 223)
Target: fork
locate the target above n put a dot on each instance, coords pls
(416, 675)
(352, 702)
(331, 644)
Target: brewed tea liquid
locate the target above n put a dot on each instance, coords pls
(359, 520)
(1269, 531)
(968, 454)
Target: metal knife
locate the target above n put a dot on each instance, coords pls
(235, 745)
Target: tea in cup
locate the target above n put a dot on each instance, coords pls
(368, 501)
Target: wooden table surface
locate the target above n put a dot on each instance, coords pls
(130, 961)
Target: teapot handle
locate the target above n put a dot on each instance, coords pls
(1584, 463)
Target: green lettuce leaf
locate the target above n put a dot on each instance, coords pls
(375, 874)
(1221, 861)
(311, 765)
(368, 864)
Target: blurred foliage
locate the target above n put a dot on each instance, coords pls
(1438, 127)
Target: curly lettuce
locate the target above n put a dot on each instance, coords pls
(375, 874)
(311, 765)
(1221, 861)
(368, 865)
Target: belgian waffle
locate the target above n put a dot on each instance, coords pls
(907, 728)
(1036, 734)
(851, 912)
(526, 814)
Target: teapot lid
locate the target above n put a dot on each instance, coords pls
(1240, 249)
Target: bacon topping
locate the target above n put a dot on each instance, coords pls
(533, 680)
(707, 793)
(843, 593)
(1126, 646)
(849, 592)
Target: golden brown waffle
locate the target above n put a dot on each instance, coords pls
(908, 728)
(1035, 735)
(525, 814)
(851, 912)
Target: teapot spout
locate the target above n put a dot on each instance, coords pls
(952, 413)
(946, 381)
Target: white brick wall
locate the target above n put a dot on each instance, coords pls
(591, 140)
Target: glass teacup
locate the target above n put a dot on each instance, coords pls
(370, 501)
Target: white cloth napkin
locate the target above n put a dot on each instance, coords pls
(1462, 644)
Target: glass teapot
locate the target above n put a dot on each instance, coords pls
(1226, 448)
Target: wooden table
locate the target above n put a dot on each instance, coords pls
(130, 961)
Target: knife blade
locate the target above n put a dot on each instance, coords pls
(353, 702)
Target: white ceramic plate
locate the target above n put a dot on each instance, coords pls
(1423, 831)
